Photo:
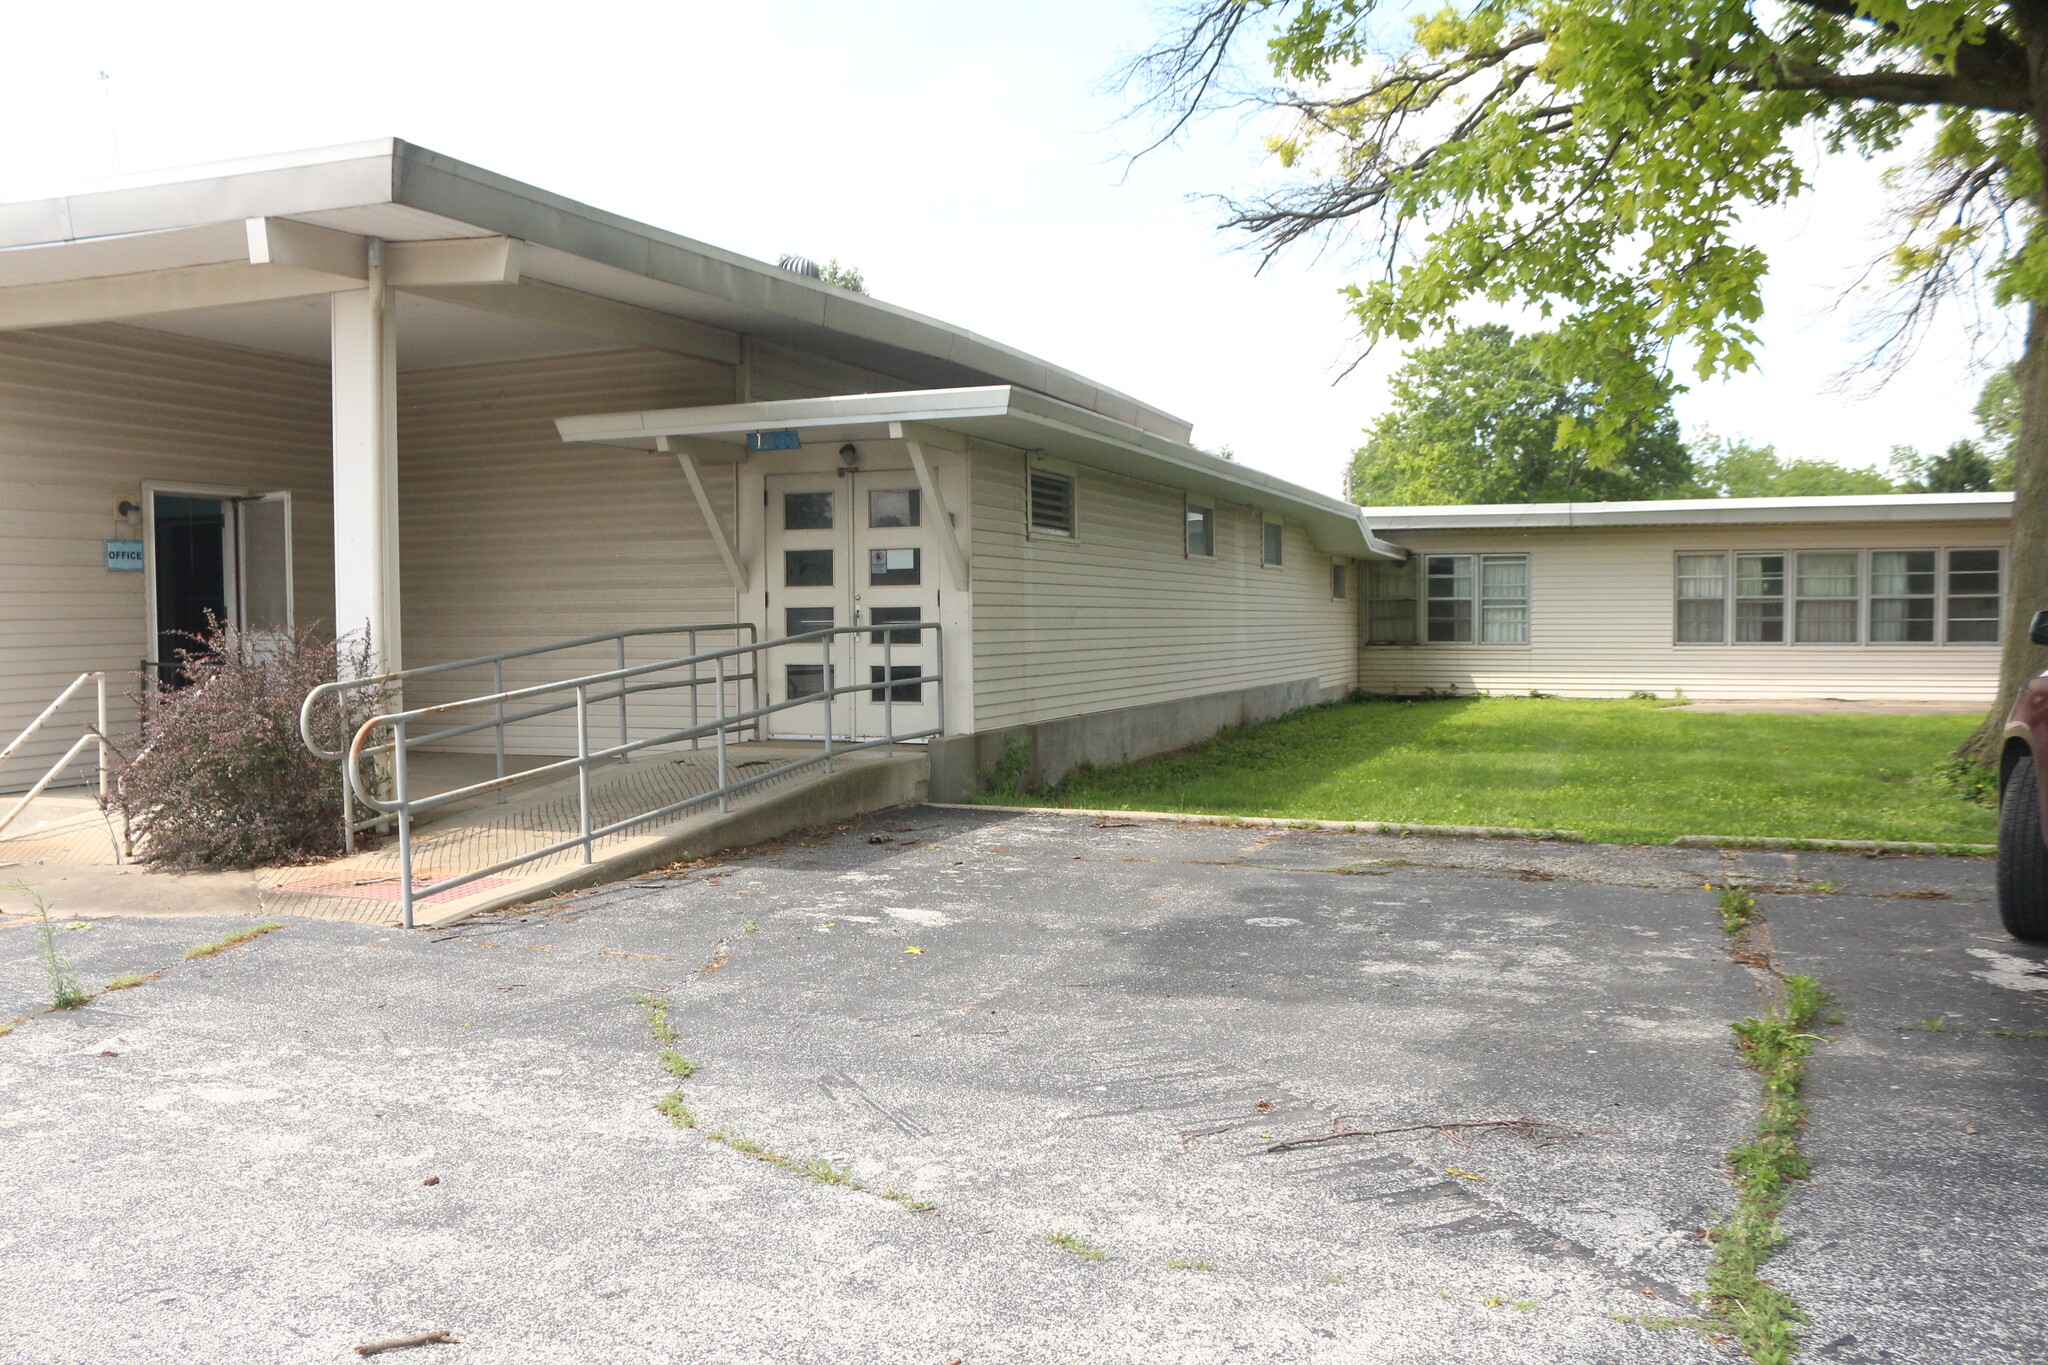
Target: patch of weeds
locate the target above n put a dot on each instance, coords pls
(2019, 1032)
(1503, 1301)
(1738, 907)
(1179, 1264)
(1009, 775)
(129, 982)
(1333, 1279)
(676, 1108)
(1075, 1244)
(1763, 1317)
(1970, 780)
(750, 928)
(1653, 1322)
(1824, 887)
(233, 940)
(65, 992)
(1937, 1023)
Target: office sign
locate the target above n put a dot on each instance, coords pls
(124, 556)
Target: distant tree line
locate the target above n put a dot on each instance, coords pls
(1475, 420)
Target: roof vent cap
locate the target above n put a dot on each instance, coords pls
(802, 265)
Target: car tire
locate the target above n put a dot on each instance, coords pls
(2022, 856)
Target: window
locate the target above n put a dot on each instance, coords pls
(902, 691)
(1702, 599)
(1201, 522)
(1759, 599)
(894, 568)
(889, 616)
(1489, 592)
(895, 507)
(804, 680)
(1901, 597)
(1052, 504)
(1390, 603)
(1919, 597)
(806, 511)
(1825, 598)
(1271, 540)
(1340, 579)
(806, 568)
(803, 620)
(1973, 596)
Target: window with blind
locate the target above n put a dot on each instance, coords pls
(1477, 599)
(1839, 597)
(1389, 602)
(1052, 504)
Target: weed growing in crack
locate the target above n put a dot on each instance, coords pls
(233, 940)
(65, 992)
(1074, 1244)
(126, 983)
(2019, 1033)
(1738, 907)
(1763, 1317)
(1937, 1023)
(1825, 887)
(676, 1108)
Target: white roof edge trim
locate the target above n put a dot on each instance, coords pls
(960, 411)
(172, 175)
(1697, 511)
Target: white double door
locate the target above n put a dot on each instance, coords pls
(851, 549)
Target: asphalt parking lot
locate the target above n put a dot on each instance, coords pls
(336, 1134)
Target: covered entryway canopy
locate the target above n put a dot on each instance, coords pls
(1001, 413)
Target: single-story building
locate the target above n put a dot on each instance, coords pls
(375, 387)
(1890, 597)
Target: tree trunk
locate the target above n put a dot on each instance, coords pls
(2026, 586)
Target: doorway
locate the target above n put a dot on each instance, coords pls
(214, 557)
(852, 549)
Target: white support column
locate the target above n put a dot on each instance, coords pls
(365, 414)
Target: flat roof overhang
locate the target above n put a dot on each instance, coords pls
(1865, 507)
(111, 234)
(1005, 415)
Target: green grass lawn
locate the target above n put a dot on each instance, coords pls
(1622, 771)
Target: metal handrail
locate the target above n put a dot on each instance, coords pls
(351, 826)
(404, 808)
(96, 734)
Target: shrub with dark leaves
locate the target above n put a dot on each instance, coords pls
(218, 776)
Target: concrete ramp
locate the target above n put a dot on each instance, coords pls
(76, 854)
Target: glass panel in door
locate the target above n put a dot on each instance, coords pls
(808, 590)
(897, 564)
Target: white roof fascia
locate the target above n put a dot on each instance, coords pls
(458, 199)
(1006, 415)
(1699, 511)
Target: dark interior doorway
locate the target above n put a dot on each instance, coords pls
(191, 563)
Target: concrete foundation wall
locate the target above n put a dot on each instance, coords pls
(1054, 748)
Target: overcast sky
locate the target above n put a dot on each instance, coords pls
(962, 153)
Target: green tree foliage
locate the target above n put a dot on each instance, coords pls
(1962, 468)
(847, 277)
(1737, 468)
(1998, 417)
(1598, 163)
(1476, 419)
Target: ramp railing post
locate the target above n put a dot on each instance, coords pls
(724, 796)
(696, 682)
(101, 680)
(583, 768)
(498, 721)
(889, 687)
(829, 684)
(402, 796)
(625, 736)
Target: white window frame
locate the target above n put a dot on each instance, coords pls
(1187, 519)
(1478, 599)
(1280, 549)
(1340, 579)
(1864, 598)
(1373, 572)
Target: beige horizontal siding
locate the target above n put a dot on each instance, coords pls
(1601, 622)
(510, 538)
(1119, 616)
(87, 414)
